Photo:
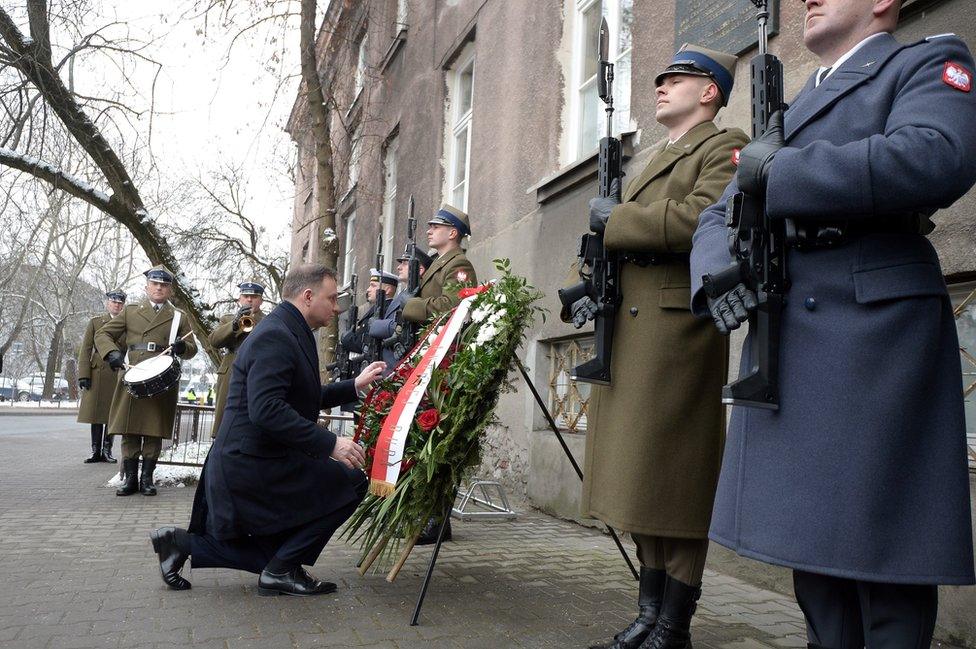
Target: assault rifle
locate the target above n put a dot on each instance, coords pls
(373, 347)
(758, 245)
(405, 335)
(599, 268)
(345, 367)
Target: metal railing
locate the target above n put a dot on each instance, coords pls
(192, 435)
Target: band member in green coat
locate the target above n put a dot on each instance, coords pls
(97, 381)
(655, 436)
(140, 332)
(229, 334)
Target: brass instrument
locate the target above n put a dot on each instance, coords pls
(246, 323)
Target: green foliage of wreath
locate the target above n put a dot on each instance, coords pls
(443, 445)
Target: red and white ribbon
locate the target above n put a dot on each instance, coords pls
(393, 435)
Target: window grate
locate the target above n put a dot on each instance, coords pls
(568, 399)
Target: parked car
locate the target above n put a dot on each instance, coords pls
(33, 384)
(8, 389)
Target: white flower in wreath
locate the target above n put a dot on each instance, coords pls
(485, 334)
(482, 312)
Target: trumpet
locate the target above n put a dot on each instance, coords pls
(246, 323)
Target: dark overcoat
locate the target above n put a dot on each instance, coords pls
(654, 437)
(269, 469)
(96, 402)
(862, 471)
(224, 336)
(139, 324)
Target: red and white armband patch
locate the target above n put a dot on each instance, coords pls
(735, 156)
(462, 276)
(957, 76)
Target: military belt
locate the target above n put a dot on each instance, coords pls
(807, 235)
(145, 347)
(644, 259)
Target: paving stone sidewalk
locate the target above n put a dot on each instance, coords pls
(78, 571)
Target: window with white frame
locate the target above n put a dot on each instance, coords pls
(349, 251)
(401, 15)
(360, 67)
(355, 156)
(389, 202)
(588, 116)
(461, 89)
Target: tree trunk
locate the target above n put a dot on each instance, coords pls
(53, 353)
(315, 99)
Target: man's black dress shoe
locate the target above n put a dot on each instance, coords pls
(294, 582)
(171, 555)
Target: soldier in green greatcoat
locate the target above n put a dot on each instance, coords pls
(140, 332)
(230, 334)
(445, 232)
(97, 381)
(655, 436)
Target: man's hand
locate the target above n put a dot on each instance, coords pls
(601, 207)
(84, 384)
(115, 359)
(372, 373)
(349, 453)
(583, 310)
(241, 312)
(756, 158)
(178, 348)
(732, 308)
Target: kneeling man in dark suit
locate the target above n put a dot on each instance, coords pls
(276, 485)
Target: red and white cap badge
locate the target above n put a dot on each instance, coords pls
(958, 77)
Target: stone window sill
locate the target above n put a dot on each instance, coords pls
(395, 46)
(577, 173)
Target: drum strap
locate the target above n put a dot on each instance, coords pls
(175, 327)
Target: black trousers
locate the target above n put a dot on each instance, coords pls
(289, 549)
(851, 614)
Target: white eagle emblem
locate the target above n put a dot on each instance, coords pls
(958, 77)
(462, 276)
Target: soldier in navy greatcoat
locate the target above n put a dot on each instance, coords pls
(859, 481)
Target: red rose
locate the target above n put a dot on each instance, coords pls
(428, 419)
(384, 399)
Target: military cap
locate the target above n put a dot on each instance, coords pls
(159, 274)
(252, 287)
(452, 216)
(383, 277)
(422, 256)
(116, 295)
(703, 62)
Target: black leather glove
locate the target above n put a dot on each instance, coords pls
(241, 312)
(178, 348)
(756, 158)
(601, 206)
(115, 359)
(84, 384)
(731, 309)
(583, 310)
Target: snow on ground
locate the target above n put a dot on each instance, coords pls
(171, 475)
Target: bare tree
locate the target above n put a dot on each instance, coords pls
(38, 88)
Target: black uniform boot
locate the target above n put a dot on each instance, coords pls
(652, 583)
(429, 535)
(673, 628)
(146, 479)
(130, 477)
(107, 448)
(96, 444)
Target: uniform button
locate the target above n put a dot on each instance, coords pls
(810, 303)
(633, 311)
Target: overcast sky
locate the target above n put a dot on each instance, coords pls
(215, 108)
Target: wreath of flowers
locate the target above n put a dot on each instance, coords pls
(443, 443)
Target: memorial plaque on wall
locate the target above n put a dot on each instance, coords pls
(724, 25)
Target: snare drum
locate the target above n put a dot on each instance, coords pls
(152, 376)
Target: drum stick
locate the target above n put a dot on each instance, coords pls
(184, 337)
